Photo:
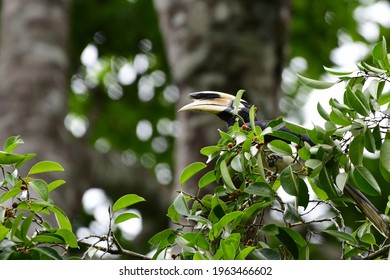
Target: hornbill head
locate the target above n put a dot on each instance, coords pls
(218, 103)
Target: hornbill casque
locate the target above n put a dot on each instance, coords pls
(222, 105)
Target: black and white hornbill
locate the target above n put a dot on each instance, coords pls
(222, 105)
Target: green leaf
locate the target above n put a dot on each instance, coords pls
(369, 141)
(315, 83)
(47, 253)
(356, 150)
(303, 193)
(269, 229)
(191, 170)
(207, 179)
(315, 165)
(237, 101)
(55, 184)
(341, 180)
(10, 194)
(342, 235)
(48, 238)
(40, 187)
(368, 238)
(11, 143)
(280, 147)
(124, 217)
(181, 205)
(288, 242)
(45, 166)
(9, 158)
(69, 237)
(337, 72)
(288, 181)
(209, 150)
(267, 254)
(125, 201)
(339, 118)
(244, 253)
(62, 220)
(365, 181)
(26, 226)
(384, 160)
(224, 221)
(323, 113)
(236, 163)
(357, 102)
(230, 245)
(3, 232)
(260, 189)
(226, 177)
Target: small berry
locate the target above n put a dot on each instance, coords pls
(244, 127)
(23, 187)
(230, 145)
(249, 242)
(14, 205)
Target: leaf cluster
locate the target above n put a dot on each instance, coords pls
(235, 220)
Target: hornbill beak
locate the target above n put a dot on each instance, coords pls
(213, 102)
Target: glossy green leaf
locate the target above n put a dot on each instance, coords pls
(315, 165)
(47, 253)
(11, 143)
(226, 177)
(191, 170)
(10, 194)
(280, 147)
(369, 141)
(339, 118)
(244, 253)
(365, 181)
(342, 235)
(10, 158)
(26, 226)
(40, 187)
(62, 219)
(356, 150)
(124, 217)
(55, 184)
(236, 163)
(48, 238)
(357, 102)
(303, 193)
(125, 201)
(289, 183)
(3, 231)
(209, 150)
(228, 218)
(260, 189)
(181, 205)
(207, 179)
(341, 180)
(323, 113)
(45, 166)
(337, 72)
(267, 254)
(384, 160)
(291, 214)
(69, 237)
(316, 84)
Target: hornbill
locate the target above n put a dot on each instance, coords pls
(222, 105)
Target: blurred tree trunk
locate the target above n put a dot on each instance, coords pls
(33, 86)
(224, 46)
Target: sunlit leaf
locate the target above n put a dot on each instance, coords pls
(337, 72)
(124, 217)
(40, 187)
(191, 170)
(125, 201)
(316, 84)
(45, 166)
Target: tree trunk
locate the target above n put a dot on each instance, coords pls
(223, 46)
(33, 86)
